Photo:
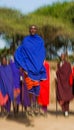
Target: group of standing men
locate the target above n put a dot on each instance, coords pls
(30, 71)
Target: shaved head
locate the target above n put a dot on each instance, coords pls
(63, 56)
(33, 26)
(33, 29)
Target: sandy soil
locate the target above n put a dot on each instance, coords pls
(53, 121)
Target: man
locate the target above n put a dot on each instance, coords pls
(64, 91)
(16, 82)
(30, 56)
(6, 85)
(44, 96)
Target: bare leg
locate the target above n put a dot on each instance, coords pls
(15, 108)
(65, 108)
(2, 111)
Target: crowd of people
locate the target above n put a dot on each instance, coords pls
(25, 78)
(21, 76)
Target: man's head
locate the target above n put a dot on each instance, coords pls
(4, 60)
(33, 29)
(63, 56)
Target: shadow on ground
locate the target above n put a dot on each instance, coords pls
(59, 113)
(20, 118)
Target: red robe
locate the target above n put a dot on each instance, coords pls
(64, 91)
(45, 87)
(71, 77)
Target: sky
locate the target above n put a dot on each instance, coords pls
(25, 6)
(2, 43)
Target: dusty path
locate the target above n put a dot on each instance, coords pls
(51, 122)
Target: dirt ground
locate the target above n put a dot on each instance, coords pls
(53, 121)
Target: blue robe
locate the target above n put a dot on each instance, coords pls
(16, 79)
(30, 56)
(6, 81)
(6, 84)
(23, 97)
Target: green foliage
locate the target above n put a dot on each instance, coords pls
(71, 59)
(54, 22)
(58, 10)
(58, 15)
